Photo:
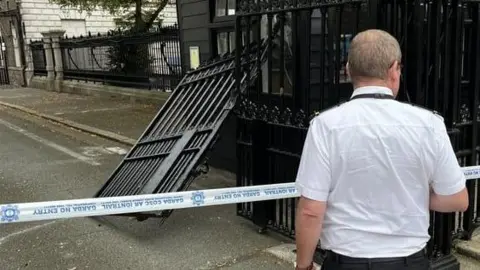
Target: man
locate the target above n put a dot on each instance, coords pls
(372, 168)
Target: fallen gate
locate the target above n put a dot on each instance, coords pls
(171, 151)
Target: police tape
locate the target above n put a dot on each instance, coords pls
(37, 211)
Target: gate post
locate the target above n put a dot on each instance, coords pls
(53, 55)
(57, 53)
(49, 65)
(262, 210)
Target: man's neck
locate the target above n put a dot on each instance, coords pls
(374, 83)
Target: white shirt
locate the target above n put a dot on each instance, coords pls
(372, 161)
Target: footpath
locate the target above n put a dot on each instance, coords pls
(123, 121)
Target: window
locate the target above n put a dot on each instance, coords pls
(224, 8)
(225, 42)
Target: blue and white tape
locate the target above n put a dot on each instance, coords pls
(36, 211)
(25, 212)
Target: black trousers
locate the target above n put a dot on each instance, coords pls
(417, 261)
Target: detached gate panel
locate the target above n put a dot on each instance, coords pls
(169, 154)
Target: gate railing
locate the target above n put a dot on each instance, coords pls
(303, 74)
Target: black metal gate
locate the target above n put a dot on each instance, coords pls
(304, 73)
(171, 151)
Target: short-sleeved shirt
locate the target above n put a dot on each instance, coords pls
(373, 161)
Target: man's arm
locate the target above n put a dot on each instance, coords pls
(313, 182)
(451, 203)
(448, 193)
(308, 224)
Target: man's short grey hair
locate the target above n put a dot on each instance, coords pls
(371, 54)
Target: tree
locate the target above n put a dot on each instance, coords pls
(136, 15)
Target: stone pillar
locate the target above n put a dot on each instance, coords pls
(57, 53)
(29, 63)
(50, 65)
(53, 57)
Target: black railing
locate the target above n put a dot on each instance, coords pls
(146, 60)
(440, 40)
(142, 60)
(38, 58)
(304, 73)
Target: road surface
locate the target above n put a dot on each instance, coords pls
(42, 161)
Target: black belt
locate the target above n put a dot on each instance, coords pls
(351, 260)
(377, 96)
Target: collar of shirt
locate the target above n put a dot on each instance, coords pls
(372, 90)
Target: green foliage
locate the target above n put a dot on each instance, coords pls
(137, 15)
(129, 58)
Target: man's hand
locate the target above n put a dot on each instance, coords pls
(308, 227)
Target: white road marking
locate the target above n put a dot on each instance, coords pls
(17, 96)
(95, 151)
(117, 150)
(30, 229)
(49, 143)
(105, 109)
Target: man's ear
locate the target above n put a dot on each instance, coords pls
(347, 67)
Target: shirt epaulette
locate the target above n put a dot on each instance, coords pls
(317, 113)
(426, 109)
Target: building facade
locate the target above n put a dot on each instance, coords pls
(25, 20)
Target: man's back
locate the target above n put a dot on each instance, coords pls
(383, 154)
(372, 168)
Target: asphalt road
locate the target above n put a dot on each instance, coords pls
(42, 161)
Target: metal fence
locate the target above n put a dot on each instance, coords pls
(143, 60)
(304, 73)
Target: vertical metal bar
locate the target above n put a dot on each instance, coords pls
(330, 50)
(307, 62)
(282, 55)
(428, 55)
(448, 23)
(261, 167)
(259, 88)
(295, 59)
(395, 18)
(248, 52)
(338, 45)
(270, 54)
(405, 13)
(323, 36)
(238, 52)
(419, 25)
(240, 152)
(437, 5)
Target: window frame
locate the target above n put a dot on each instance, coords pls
(214, 18)
(215, 32)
